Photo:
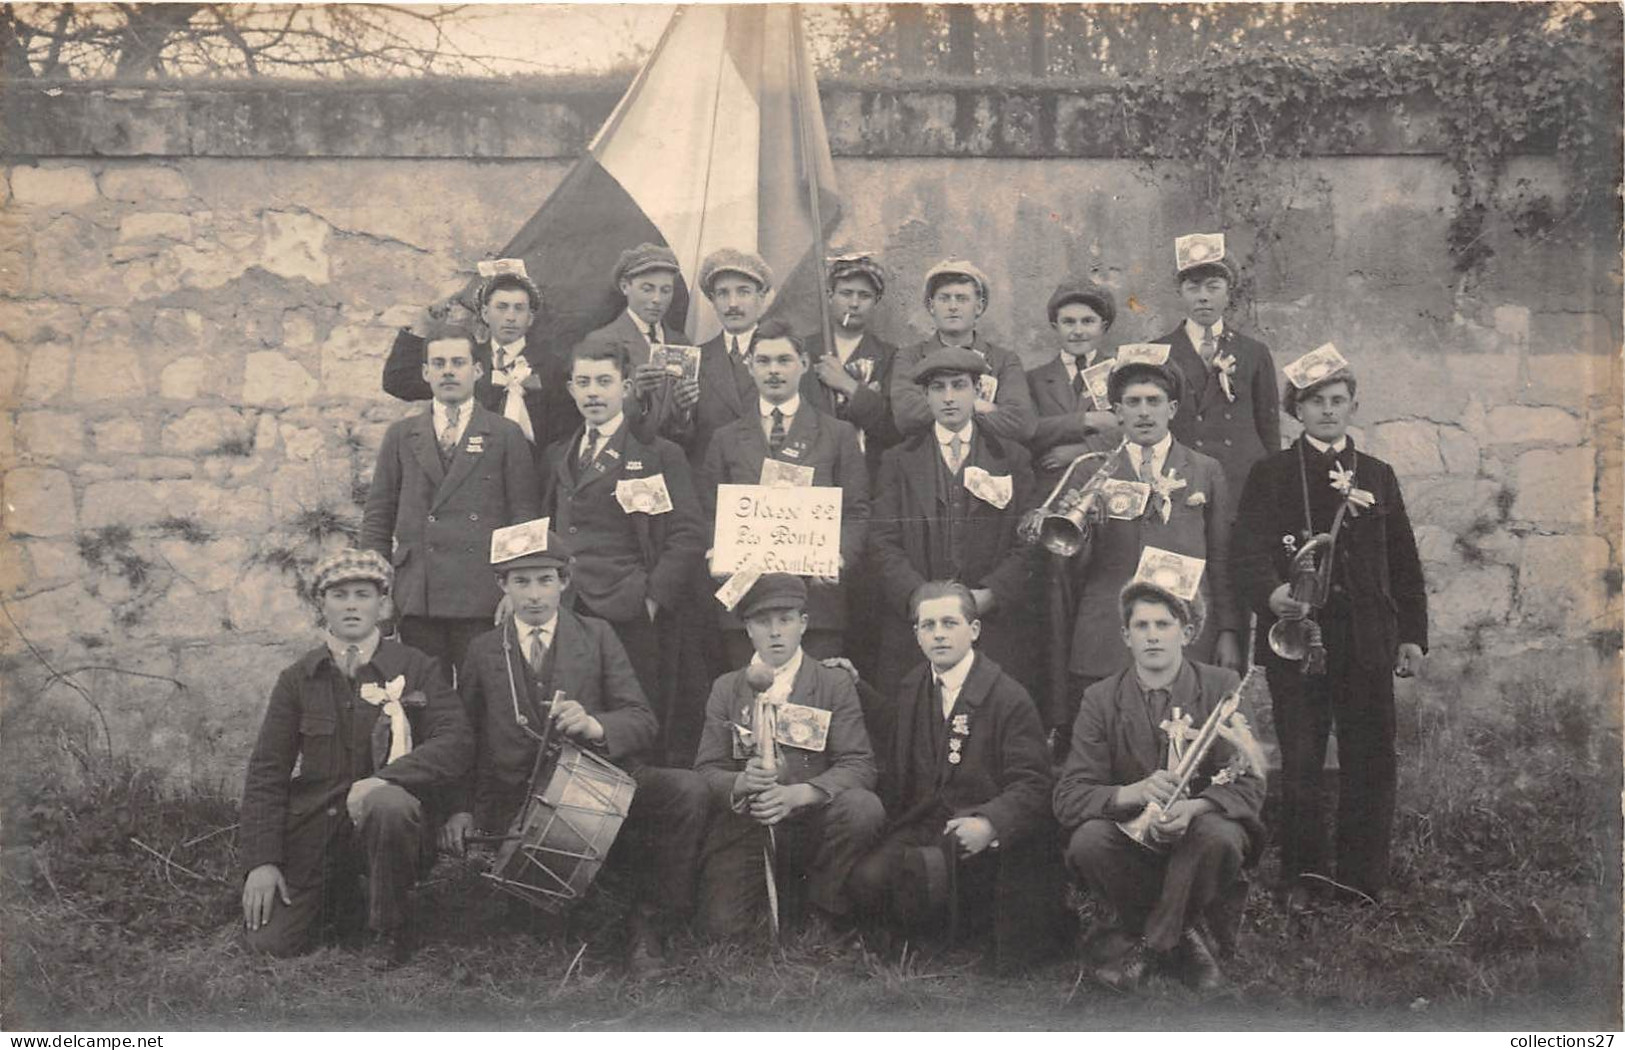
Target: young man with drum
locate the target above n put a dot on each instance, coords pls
(1186, 873)
(360, 735)
(548, 664)
(793, 812)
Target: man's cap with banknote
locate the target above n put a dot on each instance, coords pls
(1198, 256)
(857, 264)
(1165, 576)
(774, 590)
(529, 545)
(642, 259)
(1139, 362)
(497, 274)
(951, 360)
(1313, 370)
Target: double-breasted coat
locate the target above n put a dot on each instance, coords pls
(1235, 433)
(434, 522)
(317, 740)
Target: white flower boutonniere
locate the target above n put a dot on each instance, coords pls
(1225, 365)
(1343, 482)
(1163, 487)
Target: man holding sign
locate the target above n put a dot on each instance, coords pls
(785, 443)
(629, 506)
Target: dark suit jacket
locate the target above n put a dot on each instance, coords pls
(1239, 433)
(623, 557)
(735, 456)
(846, 761)
(1004, 772)
(1116, 741)
(1060, 420)
(643, 414)
(435, 524)
(552, 412)
(588, 664)
(869, 408)
(1197, 530)
(727, 393)
(1012, 416)
(317, 719)
(1376, 561)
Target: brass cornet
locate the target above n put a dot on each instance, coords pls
(1067, 532)
(1311, 583)
(1224, 721)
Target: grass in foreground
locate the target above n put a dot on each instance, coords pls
(1505, 914)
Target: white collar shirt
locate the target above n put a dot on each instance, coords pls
(743, 338)
(464, 410)
(945, 441)
(643, 327)
(528, 633)
(366, 648)
(952, 681)
(1159, 456)
(606, 431)
(506, 354)
(1323, 448)
(789, 409)
(1193, 332)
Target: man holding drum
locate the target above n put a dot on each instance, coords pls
(545, 663)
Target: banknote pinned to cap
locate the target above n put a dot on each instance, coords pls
(528, 544)
(1141, 354)
(489, 268)
(1315, 366)
(1198, 249)
(1177, 574)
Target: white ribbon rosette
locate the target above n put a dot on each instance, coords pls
(1343, 482)
(513, 379)
(388, 697)
(1225, 365)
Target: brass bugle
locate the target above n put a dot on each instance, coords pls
(1066, 532)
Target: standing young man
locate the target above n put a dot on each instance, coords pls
(956, 295)
(647, 277)
(1373, 626)
(1182, 491)
(1116, 766)
(445, 479)
(361, 735)
(1229, 408)
(629, 507)
(519, 379)
(784, 428)
(1069, 424)
(950, 500)
(511, 685)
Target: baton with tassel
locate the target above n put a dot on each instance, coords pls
(760, 680)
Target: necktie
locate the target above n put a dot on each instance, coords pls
(589, 451)
(448, 436)
(538, 651)
(956, 453)
(653, 339)
(733, 348)
(352, 659)
(502, 359)
(1077, 382)
(940, 696)
(1209, 347)
(1142, 459)
(775, 436)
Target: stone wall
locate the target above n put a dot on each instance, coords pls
(192, 332)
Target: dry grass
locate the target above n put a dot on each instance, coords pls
(1505, 914)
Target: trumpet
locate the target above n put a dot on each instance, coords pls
(1311, 579)
(1070, 531)
(1224, 721)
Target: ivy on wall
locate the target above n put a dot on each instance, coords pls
(1229, 116)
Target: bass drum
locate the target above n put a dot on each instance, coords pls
(565, 830)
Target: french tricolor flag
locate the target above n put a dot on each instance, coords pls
(718, 143)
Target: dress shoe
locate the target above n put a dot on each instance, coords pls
(1197, 967)
(1129, 970)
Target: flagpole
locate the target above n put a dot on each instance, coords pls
(808, 157)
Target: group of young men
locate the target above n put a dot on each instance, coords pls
(953, 711)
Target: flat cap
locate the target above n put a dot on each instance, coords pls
(951, 359)
(642, 259)
(1096, 297)
(349, 565)
(775, 590)
(732, 260)
(858, 264)
(961, 269)
(530, 544)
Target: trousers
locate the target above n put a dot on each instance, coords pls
(815, 850)
(391, 847)
(1159, 895)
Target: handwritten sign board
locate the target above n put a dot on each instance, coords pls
(794, 530)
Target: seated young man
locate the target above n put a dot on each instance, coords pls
(817, 812)
(360, 733)
(510, 684)
(1115, 768)
(969, 771)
